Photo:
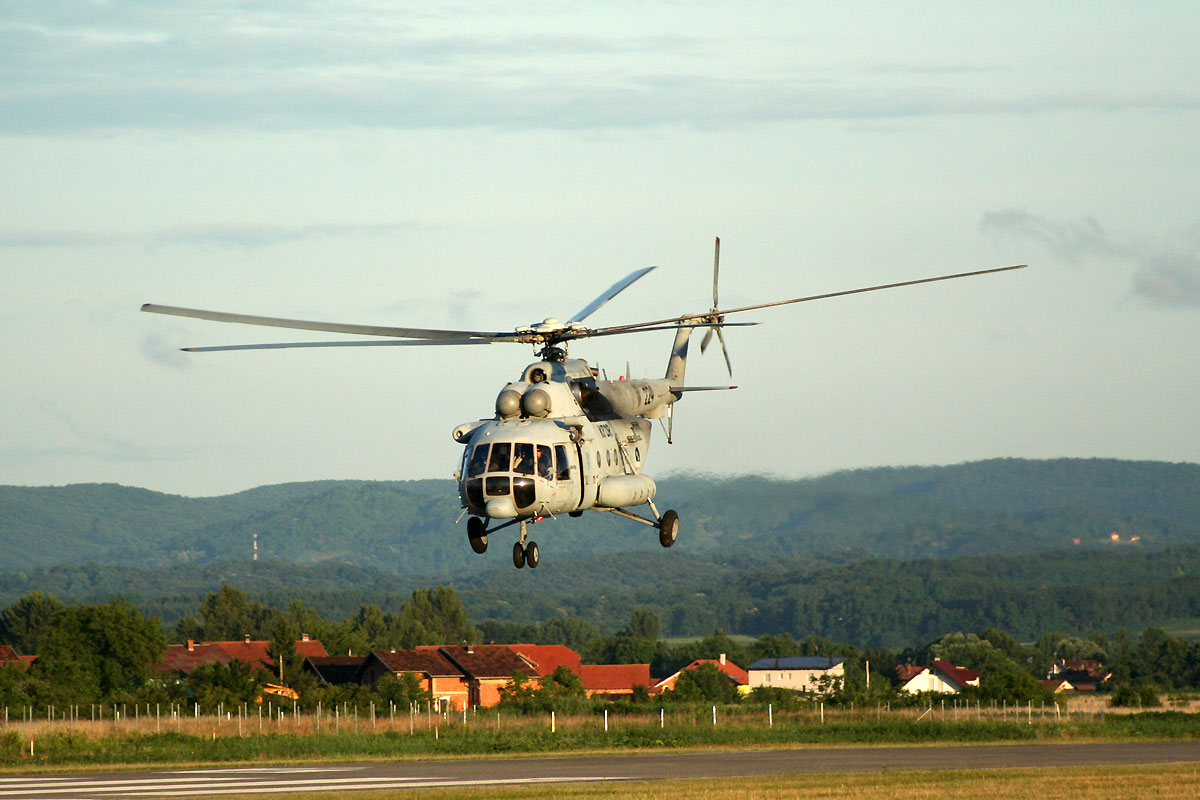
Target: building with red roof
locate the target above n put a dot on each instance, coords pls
(736, 674)
(614, 680)
(940, 676)
(181, 659)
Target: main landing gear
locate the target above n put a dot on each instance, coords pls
(525, 554)
(667, 524)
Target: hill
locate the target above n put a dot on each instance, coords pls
(1008, 506)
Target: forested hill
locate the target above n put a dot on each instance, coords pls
(1004, 507)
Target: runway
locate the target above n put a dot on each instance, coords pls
(621, 767)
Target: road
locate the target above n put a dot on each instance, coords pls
(620, 767)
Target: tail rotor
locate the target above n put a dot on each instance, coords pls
(714, 318)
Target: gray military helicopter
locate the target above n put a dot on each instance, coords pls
(563, 439)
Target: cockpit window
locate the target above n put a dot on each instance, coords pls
(499, 462)
(545, 462)
(523, 458)
(478, 461)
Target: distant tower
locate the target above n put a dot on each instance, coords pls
(256, 547)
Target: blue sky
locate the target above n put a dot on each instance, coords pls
(487, 165)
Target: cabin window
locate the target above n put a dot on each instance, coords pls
(599, 460)
(637, 454)
(523, 492)
(496, 486)
(499, 462)
(478, 461)
(523, 459)
(545, 462)
(608, 457)
(564, 466)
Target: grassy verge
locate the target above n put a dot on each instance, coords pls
(82, 746)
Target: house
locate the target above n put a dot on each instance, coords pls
(459, 676)
(336, 670)
(439, 676)
(731, 670)
(1084, 675)
(9, 656)
(940, 676)
(181, 659)
(817, 674)
(614, 680)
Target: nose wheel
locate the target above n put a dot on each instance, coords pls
(525, 554)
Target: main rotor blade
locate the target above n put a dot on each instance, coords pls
(379, 343)
(328, 327)
(684, 318)
(621, 329)
(875, 288)
(612, 292)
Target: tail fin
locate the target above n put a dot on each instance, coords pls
(677, 363)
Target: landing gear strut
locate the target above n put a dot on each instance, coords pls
(525, 554)
(667, 523)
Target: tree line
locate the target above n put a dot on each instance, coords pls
(103, 653)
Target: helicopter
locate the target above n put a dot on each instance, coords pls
(563, 438)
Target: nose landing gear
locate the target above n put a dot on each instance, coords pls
(525, 554)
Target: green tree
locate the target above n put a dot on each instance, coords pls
(644, 624)
(92, 652)
(704, 683)
(22, 623)
(231, 684)
(404, 689)
(229, 614)
(435, 616)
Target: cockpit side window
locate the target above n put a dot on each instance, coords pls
(564, 467)
(523, 458)
(545, 462)
(499, 461)
(478, 461)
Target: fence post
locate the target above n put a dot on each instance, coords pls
(661, 718)
(770, 715)
(606, 720)
(552, 722)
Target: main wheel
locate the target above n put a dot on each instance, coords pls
(668, 528)
(532, 555)
(476, 535)
(518, 555)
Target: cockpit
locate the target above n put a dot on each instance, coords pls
(498, 469)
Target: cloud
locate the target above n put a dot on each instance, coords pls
(1166, 273)
(227, 235)
(298, 66)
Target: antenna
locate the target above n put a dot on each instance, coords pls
(256, 547)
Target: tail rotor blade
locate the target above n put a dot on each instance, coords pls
(724, 350)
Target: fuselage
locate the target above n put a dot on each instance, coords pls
(561, 441)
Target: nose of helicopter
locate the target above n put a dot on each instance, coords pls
(501, 508)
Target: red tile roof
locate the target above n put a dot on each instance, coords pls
(614, 677)
(428, 660)
(960, 675)
(548, 657)
(489, 660)
(184, 658)
(908, 671)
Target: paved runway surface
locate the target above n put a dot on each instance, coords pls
(444, 774)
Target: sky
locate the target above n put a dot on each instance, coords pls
(487, 165)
